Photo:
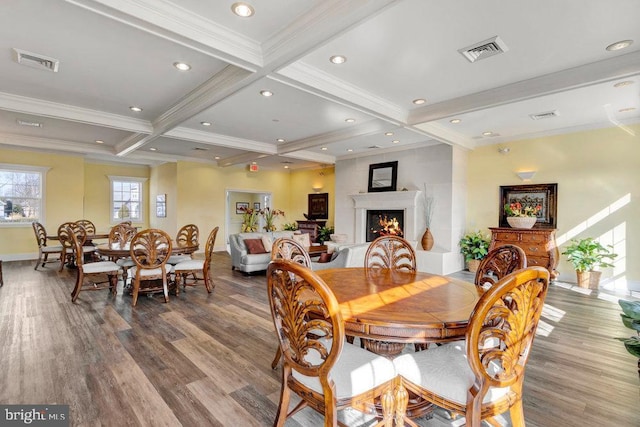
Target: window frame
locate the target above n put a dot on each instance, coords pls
(42, 171)
(116, 178)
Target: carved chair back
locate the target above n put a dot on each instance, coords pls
(40, 232)
(150, 249)
(498, 263)
(121, 235)
(88, 225)
(188, 235)
(289, 249)
(390, 252)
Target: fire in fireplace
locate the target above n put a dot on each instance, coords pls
(383, 223)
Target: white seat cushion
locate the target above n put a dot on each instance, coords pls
(444, 371)
(146, 272)
(192, 264)
(49, 249)
(88, 249)
(176, 259)
(100, 267)
(125, 262)
(355, 372)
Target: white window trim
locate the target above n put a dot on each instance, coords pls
(126, 179)
(43, 189)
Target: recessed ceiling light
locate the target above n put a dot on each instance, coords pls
(136, 109)
(619, 45)
(216, 158)
(254, 163)
(338, 59)
(266, 93)
(324, 148)
(419, 101)
(350, 120)
(487, 133)
(205, 123)
(395, 141)
(243, 10)
(388, 133)
(182, 66)
(153, 149)
(626, 110)
(99, 141)
(349, 149)
(624, 83)
(280, 140)
(455, 121)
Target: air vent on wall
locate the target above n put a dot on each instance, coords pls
(545, 115)
(35, 60)
(375, 146)
(200, 149)
(484, 49)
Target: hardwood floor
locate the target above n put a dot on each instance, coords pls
(204, 359)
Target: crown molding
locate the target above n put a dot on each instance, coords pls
(364, 129)
(56, 110)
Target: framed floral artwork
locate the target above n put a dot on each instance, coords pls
(531, 196)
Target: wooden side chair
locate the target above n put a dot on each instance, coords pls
(89, 226)
(67, 246)
(290, 250)
(188, 236)
(390, 252)
(327, 373)
(91, 270)
(197, 266)
(120, 236)
(150, 249)
(498, 263)
(482, 376)
(43, 250)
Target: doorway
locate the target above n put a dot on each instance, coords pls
(242, 198)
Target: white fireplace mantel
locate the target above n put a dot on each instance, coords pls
(391, 200)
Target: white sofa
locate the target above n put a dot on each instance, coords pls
(242, 260)
(347, 256)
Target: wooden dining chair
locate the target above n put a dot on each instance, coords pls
(197, 267)
(476, 379)
(45, 250)
(188, 236)
(120, 236)
(390, 252)
(327, 373)
(498, 263)
(68, 255)
(150, 249)
(89, 226)
(89, 270)
(291, 250)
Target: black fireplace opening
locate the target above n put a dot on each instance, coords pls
(384, 222)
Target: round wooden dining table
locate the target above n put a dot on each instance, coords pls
(116, 251)
(388, 308)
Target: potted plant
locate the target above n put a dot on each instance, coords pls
(290, 226)
(519, 216)
(587, 255)
(324, 234)
(269, 216)
(474, 246)
(631, 319)
(249, 220)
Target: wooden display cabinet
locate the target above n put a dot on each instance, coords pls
(311, 227)
(539, 244)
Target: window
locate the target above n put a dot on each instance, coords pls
(21, 194)
(126, 198)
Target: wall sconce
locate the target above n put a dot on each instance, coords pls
(526, 176)
(504, 150)
(317, 189)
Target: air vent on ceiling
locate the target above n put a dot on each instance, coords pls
(545, 115)
(286, 162)
(200, 149)
(484, 49)
(35, 60)
(375, 146)
(29, 123)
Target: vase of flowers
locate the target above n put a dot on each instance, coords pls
(427, 238)
(269, 216)
(249, 220)
(519, 216)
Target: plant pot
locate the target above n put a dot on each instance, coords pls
(521, 221)
(427, 240)
(589, 279)
(473, 265)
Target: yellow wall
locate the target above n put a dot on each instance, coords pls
(303, 183)
(163, 181)
(598, 177)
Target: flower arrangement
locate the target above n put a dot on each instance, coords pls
(249, 220)
(428, 207)
(269, 216)
(516, 209)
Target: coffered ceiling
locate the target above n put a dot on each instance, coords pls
(115, 54)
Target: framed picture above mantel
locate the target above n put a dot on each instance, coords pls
(383, 177)
(531, 195)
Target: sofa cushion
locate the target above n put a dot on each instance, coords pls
(257, 260)
(324, 258)
(303, 239)
(254, 246)
(267, 243)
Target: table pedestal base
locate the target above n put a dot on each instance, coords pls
(384, 348)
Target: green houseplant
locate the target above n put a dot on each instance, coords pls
(324, 234)
(587, 255)
(474, 246)
(631, 319)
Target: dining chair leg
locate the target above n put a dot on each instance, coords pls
(76, 289)
(165, 289)
(276, 358)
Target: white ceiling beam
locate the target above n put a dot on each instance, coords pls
(364, 129)
(213, 139)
